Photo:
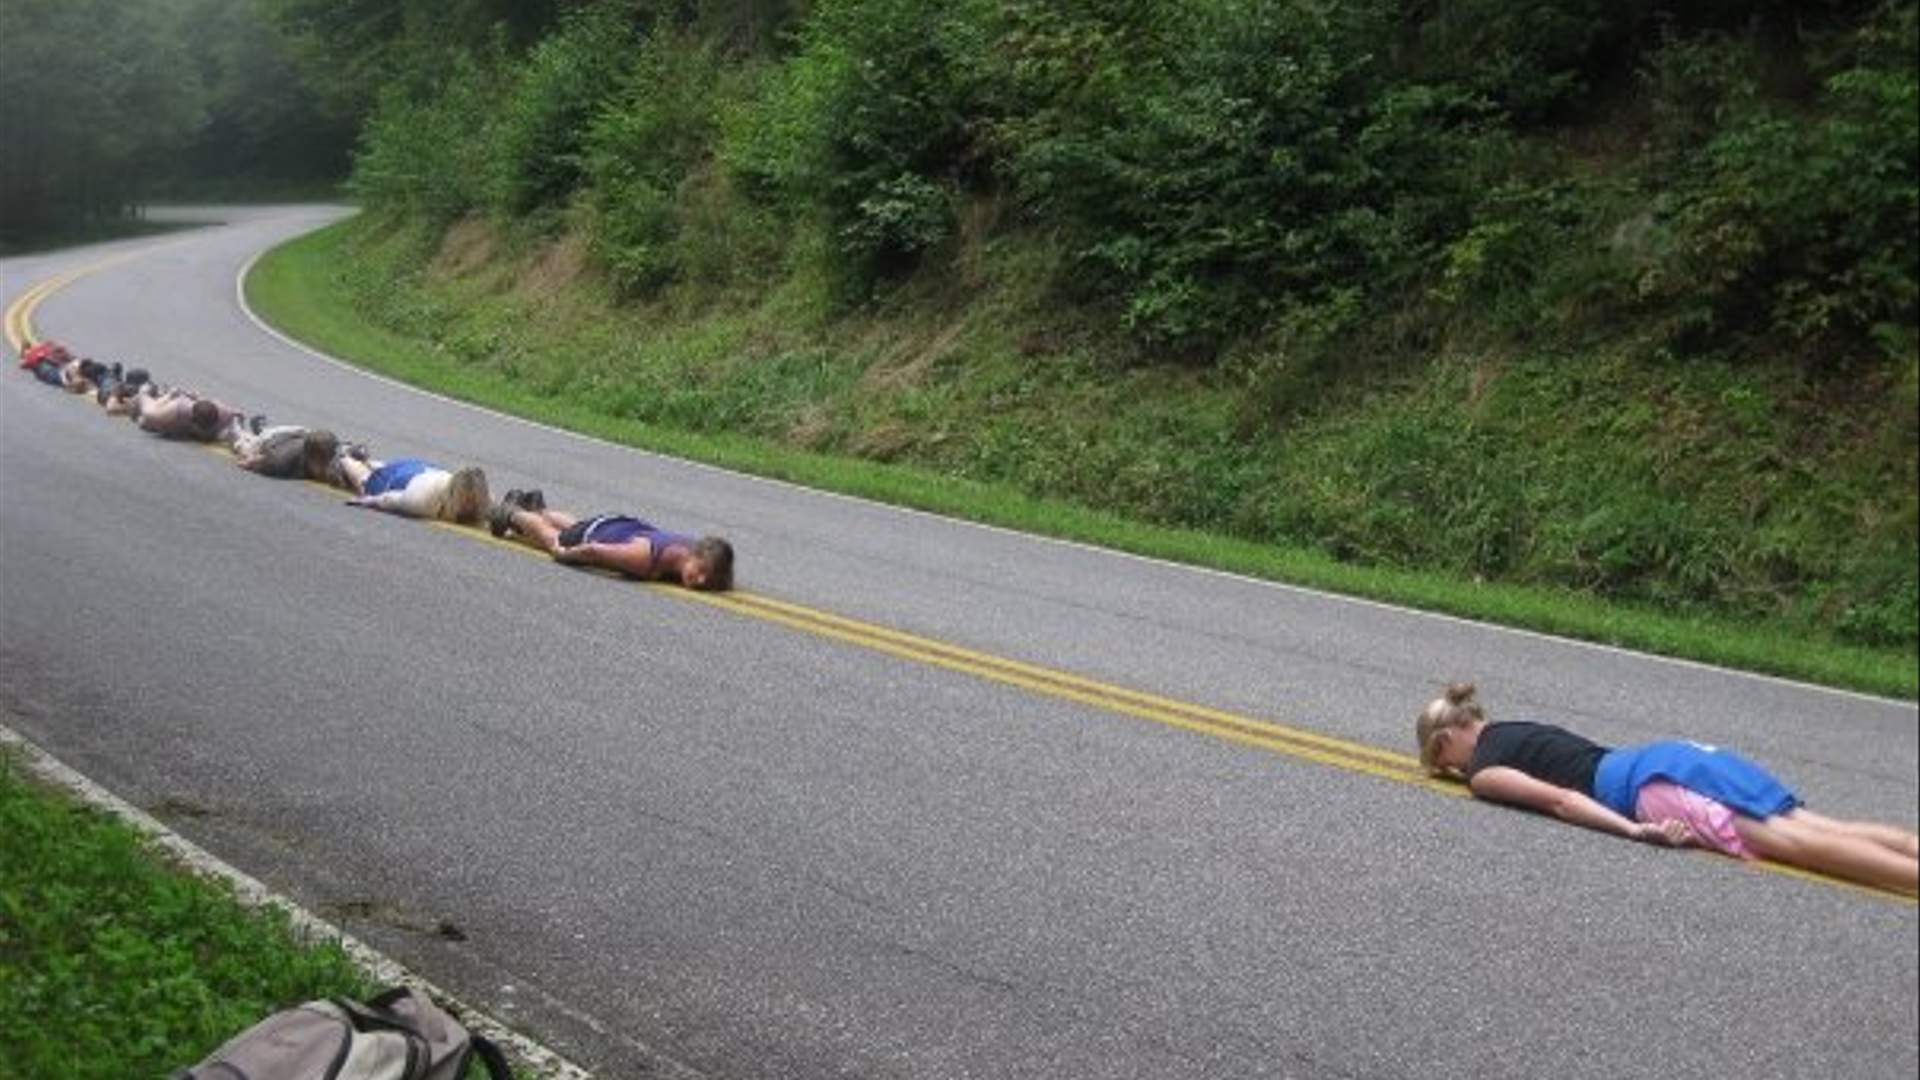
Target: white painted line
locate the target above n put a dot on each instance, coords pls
(240, 293)
(310, 927)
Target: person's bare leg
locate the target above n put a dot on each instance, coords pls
(1891, 837)
(536, 529)
(354, 473)
(1797, 843)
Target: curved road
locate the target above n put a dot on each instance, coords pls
(682, 839)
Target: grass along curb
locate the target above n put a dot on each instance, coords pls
(297, 289)
(126, 949)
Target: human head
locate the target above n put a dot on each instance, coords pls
(467, 499)
(1454, 710)
(317, 452)
(709, 568)
(205, 417)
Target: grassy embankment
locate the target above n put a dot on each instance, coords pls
(114, 963)
(950, 404)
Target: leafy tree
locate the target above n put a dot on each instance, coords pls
(96, 94)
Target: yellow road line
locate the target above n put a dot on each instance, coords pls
(1050, 682)
(19, 318)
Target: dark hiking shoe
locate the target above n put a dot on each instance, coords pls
(500, 518)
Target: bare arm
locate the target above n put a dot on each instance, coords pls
(633, 560)
(393, 502)
(1502, 784)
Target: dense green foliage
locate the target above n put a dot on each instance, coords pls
(1613, 296)
(113, 964)
(105, 104)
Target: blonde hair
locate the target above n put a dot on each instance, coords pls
(466, 500)
(1454, 709)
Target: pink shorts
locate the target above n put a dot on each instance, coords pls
(1711, 822)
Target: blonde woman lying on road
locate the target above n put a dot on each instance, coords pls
(1673, 793)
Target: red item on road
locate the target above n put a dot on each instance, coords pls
(46, 350)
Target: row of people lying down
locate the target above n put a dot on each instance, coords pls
(1673, 793)
(410, 487)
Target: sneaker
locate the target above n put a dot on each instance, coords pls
(500, 518)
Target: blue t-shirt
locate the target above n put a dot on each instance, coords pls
(395, 475)
(1726, 778)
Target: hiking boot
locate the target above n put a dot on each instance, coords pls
(500, 518)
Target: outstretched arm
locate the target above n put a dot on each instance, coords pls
(393, 502)
(1502, 784)
(633, 560)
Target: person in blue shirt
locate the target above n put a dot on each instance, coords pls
(1675, 793)
(617, 542)
(413, 488)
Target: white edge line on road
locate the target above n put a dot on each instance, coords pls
(240, 293)
(252, 893)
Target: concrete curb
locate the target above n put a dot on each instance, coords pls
(528, 1056)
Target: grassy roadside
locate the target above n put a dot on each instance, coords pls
(299, 288)
(114, 963)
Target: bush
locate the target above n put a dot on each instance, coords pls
(638, 150)
(873, 125)
(1806, 231)
(425, 147)
(1253, 159)
(534, 153)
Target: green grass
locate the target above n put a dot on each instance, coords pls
(306, 288)
(114, 963)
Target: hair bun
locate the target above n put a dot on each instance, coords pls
(1459, 693)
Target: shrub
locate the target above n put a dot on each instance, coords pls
(637, 151)
(424, 148)
(1807, 230)
(534, 156)
(873, 124)
(1253, 159)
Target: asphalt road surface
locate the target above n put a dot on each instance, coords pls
(679, 840)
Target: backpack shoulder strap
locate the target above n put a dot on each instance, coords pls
(489, 1053)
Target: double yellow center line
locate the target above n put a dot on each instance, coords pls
(19, 318)
(1294, 742)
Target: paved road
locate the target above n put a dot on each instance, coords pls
(681, 841)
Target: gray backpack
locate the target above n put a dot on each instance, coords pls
(398, 1035)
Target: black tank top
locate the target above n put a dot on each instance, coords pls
(1542, 751)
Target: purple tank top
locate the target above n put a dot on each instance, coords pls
(619, 529)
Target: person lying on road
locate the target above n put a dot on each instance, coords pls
(182, 414)
(1673, 793)
(116, 394)
(626, 545)
(284, 451)
(413, 488)
(46, 361)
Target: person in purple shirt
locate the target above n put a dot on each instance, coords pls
(1677, 793)
(625, 545)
